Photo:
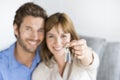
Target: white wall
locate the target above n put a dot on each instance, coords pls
(98, 18)
(7, 12)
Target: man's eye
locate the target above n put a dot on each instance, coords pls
(28, 28)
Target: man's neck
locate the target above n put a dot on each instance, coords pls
(23, 56)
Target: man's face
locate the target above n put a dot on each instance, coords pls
(30, 34)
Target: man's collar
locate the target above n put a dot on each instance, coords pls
(14, 63)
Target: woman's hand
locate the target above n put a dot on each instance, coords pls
(81, 51)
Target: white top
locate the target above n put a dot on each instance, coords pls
(77, 71)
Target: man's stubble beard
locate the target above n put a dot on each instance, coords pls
(23, 46)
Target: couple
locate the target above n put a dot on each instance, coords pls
(47, 48)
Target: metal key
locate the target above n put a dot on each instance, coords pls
(67, 55)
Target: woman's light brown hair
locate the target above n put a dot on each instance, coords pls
(53, 21)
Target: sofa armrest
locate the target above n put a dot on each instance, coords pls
(109, 68)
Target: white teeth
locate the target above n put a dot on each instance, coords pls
(58, 48)
(32, 42)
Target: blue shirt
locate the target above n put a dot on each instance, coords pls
(11, 69)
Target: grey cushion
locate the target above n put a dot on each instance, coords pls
(109, 54)
(109, 68)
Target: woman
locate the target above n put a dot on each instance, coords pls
(61, 61)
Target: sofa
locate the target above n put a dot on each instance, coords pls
(109, 55)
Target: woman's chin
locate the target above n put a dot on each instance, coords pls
(60, 54)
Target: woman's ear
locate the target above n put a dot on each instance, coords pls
(16, 31)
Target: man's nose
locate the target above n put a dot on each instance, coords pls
(35, 35)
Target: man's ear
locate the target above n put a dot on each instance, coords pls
(16, 31)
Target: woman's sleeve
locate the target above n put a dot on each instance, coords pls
(93, 65)
(92, 68)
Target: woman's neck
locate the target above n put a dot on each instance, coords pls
(61, 64)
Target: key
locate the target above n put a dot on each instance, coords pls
(67, 55)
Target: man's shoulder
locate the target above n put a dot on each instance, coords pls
(4, 54)
(4, 51)
(4, 59)
(11, 47)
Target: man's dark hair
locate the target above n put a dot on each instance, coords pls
(29, 9)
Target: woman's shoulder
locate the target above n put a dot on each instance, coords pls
(40, 71)
(41, 67)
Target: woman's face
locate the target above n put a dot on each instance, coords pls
(56, 39)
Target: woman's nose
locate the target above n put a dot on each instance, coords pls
(58, 41)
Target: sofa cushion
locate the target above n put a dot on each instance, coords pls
(109, 68)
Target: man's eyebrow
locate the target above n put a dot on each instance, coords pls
(41, 28)
(28, 26)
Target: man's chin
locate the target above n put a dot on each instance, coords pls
(31, 50)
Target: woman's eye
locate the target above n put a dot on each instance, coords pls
(50, 36)
(64, 36)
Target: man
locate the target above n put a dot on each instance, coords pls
(19, 60)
